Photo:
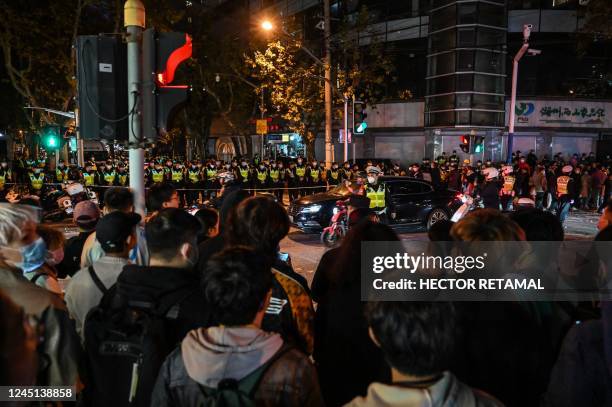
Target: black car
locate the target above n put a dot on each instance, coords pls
(410, 202)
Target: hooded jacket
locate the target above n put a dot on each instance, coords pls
(206, 356)
(446, 392)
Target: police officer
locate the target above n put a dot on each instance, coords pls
(157, 174)
(508, 190)
(346, 174)
(300, 172)
(375, 190)
(211, 183)
(193, 181)
(277, 181)
(123, 179)
(89, 176)
(333, 175)
(292, 182)
(454, 159)
(565, 190)
(260, 177)
(314, 176)
(168, 170)
(37, 181)
(61, 172)
(244, 174)
(109, 176)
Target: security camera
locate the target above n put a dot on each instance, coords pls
(534, 52)
(527, 31)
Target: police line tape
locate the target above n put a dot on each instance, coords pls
(320, 187)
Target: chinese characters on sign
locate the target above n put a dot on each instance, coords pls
(549, 111)
(546, 113)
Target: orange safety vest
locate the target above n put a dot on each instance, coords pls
(508, 185)
(562, 183)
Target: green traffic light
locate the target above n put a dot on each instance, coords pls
(362, 126)
(52, 141)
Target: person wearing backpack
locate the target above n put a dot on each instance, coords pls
(116, 233)
(145, 315)
(236, 363)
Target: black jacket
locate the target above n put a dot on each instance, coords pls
(166, 287)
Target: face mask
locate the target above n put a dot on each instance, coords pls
(300, 161)
(273, 165)
(371, 180)
(55, 257)
(280, 165)
(32, 255)
(314, 164)
(347, 167)
(335, 167)
(243, 164)
(261, 167)
(234, 164)
(218, 163)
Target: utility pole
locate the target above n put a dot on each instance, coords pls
(134, 21)
(328, 90)
(346, 128)
(515, 63)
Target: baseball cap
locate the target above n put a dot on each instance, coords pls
(114, 228)
(86, 214)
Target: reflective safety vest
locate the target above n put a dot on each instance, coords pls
(508, 184)
(37, 182)
(314, 174)
(334, 174)
(122, 179)
(177, 176)
(300, 171)
(211, 173)
(61, 175)
(274, 174)
(89, 179)
(377, 196)
(158, 176)
(244, 173)
(109, 177)
(194, 176)
(562, 183)
(261, 176)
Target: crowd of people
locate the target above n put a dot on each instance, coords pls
(181, 310)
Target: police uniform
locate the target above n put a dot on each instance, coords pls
(61, 175)
(314, 176)
(260, 176)
(157, 175)
(292, 183)
(194, 181)
(277, 181)
(211, 184)
(123, 178)
(300, 173)
(89, 178)
(37, 183)
(333, 177)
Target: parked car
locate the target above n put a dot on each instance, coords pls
(410, 203)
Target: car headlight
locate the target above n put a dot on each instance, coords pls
(335, 210)
(311, 209)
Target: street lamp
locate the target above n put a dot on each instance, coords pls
(267, 25)
(524, 48)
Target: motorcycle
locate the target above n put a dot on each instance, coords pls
(59, 204)
(337, 228)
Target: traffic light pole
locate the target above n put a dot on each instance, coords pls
(134, 16)
(328, 89)
(346, 129)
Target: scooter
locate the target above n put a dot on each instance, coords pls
(469, 204)
(337, 228)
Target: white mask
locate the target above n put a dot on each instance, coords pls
(371, 180)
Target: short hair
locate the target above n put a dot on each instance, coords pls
(13, 219)
(118, 199)
(53, 238)
(486, 225)
(208, 217)
(417, 338)
(235, 283)
(260, 223)
(158, 195)
(168, 230)
(539, 226)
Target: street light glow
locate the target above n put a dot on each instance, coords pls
(267, 25)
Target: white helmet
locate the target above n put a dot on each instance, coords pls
(507, 169)
(490, 172)
(567, 169)
(373, 170)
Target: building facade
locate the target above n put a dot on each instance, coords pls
(455, 60)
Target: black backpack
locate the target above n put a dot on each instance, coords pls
(126, 343)
(238, 393)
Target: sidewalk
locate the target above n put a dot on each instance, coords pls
(581, 224)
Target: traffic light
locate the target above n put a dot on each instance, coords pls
(162, 53)
(50, 137)
(465, 144)
(478, 144)
(359, 117)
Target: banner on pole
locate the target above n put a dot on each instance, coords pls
(341, 136)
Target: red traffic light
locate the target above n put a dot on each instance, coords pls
(174, 60)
